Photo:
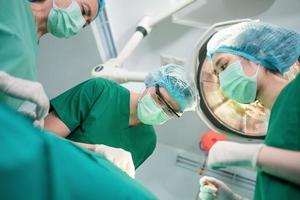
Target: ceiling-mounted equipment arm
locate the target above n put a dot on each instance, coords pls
(143, 28)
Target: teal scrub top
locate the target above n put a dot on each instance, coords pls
(37, 165)
(18, 43)
(97, 112)
(283, 132)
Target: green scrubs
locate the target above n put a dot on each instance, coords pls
(283, 132)
(18, 43)
(97, 112)
(37, 165)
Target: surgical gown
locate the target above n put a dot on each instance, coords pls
(283, 132)
(18, 43)
(97, 112)
(37, 165)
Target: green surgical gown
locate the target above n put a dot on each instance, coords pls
(18, 43)
(97, 112)
(283, 132)
(36, 165)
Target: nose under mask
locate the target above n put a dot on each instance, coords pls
(65, 22)
(236, 85)
(148, 112)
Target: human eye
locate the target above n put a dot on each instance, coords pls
(170, 112)
(83, 10)
(223, 66)
(160, 102)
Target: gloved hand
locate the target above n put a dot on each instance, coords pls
(118, 156)
(26, 90)
(226, 154)
(29, 110)
(214, 189)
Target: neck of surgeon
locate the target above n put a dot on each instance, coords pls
(267, 93)
(40, 11)
(133, 119)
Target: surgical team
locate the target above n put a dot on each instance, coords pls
(108, 129)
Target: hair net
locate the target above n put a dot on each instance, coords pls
(100, 6)
(273, 47)
(174, 79)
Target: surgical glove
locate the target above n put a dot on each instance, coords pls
(39, 124)
(29, 110)
(118, 156)
(214, 189)
(32, 115)
(226, 154)
(26, 90)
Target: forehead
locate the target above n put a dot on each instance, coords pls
(92, 4)
(217, 57)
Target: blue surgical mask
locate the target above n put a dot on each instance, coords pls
(65, 22)
(237, 85)
(148, 112)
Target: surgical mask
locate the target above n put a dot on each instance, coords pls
(237, 85)
(149, 112)
(65, 22)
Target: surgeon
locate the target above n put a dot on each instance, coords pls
(22, 24)
(38, 165)
(250, 59)
(100, 112)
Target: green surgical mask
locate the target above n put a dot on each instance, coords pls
(237, 85)
(148, 112)
(65, 22)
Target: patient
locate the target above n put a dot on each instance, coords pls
(40, 166)
(100, 111)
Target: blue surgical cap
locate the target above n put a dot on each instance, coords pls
(271, 46)
(100, 6)
(174, 79)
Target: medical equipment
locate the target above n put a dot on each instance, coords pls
(218, 112)
(112, 68)
(211, 187)
(207, 140)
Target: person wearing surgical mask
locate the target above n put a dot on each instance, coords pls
(100, 113)
(22, 25)
(250, 60)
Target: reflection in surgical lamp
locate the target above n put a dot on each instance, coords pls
(220, 113)
(217, 111)
(250, 119)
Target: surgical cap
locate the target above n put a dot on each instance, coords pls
(100, 6)
(174, 79)
(271, 46)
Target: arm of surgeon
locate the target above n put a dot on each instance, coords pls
(54, 124)
(118, 156)
(281, 163)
